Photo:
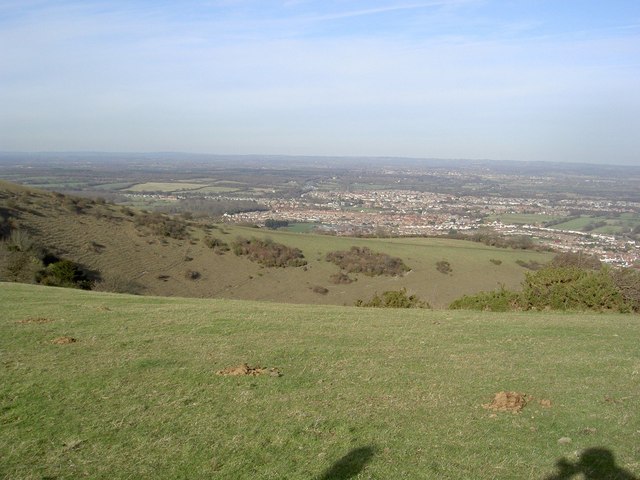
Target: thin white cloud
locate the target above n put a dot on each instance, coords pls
(385, 9)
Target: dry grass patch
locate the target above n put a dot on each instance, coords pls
(64, 340)
(35, 320)
(245, 370)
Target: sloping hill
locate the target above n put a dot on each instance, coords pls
(124, 246)
(354, 393)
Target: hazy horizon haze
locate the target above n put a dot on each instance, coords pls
(501, 80)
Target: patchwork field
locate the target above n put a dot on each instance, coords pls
(115, 386)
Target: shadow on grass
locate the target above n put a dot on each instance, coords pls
(596, 463)
(349, 465)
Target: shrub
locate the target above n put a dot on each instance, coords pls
(364, 260)
(64, 273)
(443, 266)
(321, 290)
(628, 282)
(162, 226)
(20, 267)
(563, 288)
(393, 299)
(495, 261)
(341, 279)
(20, 241)
(217, 245)
(6, 223)
(192, 275)
(500, 300)
(530, 265)
(572, 288)
(268, 253)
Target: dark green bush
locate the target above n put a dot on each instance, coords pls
(500, 300)
(393, 299)
(628, 282)
(64, 273)
(572, 288)
(563, 288)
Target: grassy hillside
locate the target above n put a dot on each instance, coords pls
(363, 393)
(115, 242)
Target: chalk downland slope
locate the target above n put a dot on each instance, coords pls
(137, 251)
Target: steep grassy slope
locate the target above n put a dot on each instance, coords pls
(363, 394)
(108, 239)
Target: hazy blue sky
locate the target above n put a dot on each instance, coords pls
(524, 79)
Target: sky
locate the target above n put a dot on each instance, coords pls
(534, 80)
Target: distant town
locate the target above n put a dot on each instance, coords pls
(587, 208)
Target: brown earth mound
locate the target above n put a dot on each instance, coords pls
(507, 402)
(245, 369)
(35, 320)
(64, 340)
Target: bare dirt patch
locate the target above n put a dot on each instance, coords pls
(64, 340)
(35, 320)
(545, 403)
(507, 402)
(245, 369)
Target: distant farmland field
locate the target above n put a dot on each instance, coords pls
(167, 187)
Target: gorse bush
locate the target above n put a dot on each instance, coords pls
(64, 273)
(364, 260)
(571, 288)
(627, 280)
(500, 300)
(268, 253)
(563, 288)
(393, 299)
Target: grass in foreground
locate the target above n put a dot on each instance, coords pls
(364, 393)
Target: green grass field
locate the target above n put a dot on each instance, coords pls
(613, 225)
(302, 227)
(364, 393)
(166, 187)
(523, 218)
